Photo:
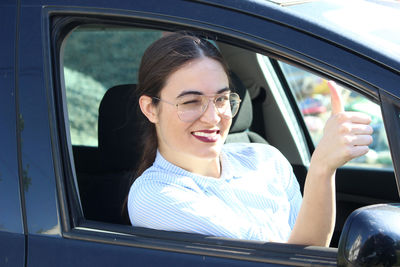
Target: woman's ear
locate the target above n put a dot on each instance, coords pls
(148, 109)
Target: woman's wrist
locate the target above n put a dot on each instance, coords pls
(320, 169)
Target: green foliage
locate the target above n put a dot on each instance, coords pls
(110, 56)
(83, 99)
(96, 59)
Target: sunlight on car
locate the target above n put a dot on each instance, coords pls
(382, 31)
(289, 2)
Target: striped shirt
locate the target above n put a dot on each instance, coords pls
(257, 196)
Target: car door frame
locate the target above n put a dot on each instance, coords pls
(12, 218)
(115, 240)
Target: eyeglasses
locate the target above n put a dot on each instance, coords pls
(191, 107)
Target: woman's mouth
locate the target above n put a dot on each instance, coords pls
(207, 136)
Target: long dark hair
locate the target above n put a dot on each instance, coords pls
(160, 60)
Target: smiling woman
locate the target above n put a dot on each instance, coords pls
(196, 183)
(189, 181)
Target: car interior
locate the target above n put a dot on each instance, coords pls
(266, 115)
(107, 168)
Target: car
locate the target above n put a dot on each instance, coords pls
(69, 145)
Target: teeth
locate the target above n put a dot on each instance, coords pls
(205, 134)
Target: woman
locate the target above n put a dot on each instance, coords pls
(190, 181)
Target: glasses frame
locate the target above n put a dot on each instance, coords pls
(211, 98)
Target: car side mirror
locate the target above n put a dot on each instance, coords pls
(371, 237)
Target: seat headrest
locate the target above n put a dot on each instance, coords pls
(244, 117)
(118, 128)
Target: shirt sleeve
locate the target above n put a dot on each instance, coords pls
(285, 172)
(294, 198)
(167, 207)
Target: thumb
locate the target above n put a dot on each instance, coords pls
(336, 99)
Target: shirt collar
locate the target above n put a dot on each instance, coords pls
(226, 166)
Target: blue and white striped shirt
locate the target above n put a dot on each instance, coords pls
(257, 196)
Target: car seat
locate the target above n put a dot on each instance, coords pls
(240, 130)
(103, 191)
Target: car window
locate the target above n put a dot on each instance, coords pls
(95, 59)
(312, 96)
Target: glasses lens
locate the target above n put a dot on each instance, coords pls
(190, 107)
(234, 103)
(228, 104)
(222, 103)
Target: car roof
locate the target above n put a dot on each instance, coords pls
(367, 27)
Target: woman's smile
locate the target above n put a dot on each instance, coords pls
(208, 136)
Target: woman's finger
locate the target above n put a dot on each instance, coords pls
(357, 117)
(356, 128)
(358, 151)
(359, 140)
(336, 99)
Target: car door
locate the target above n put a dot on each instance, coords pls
(12, 231)
(59, 233)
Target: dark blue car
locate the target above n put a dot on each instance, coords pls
(68, 149)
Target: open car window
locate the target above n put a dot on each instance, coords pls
(96, 58)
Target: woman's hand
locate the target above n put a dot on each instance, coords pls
(346, 135)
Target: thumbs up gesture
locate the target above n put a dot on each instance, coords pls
(346, 135)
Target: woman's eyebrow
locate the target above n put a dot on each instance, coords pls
(223, 90)
(193, 92)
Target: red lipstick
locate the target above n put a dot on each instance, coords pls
(207, 136)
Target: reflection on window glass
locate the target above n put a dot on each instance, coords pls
(95, 59)
(313, 99)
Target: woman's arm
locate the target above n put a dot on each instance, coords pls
(346, 136)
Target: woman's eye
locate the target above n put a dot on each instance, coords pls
(222, 98)
(190, 102)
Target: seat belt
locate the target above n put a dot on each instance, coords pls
(258, 115)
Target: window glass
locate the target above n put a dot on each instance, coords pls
(313, 100)
(95, 59)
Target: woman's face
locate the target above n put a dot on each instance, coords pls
(203, 138)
